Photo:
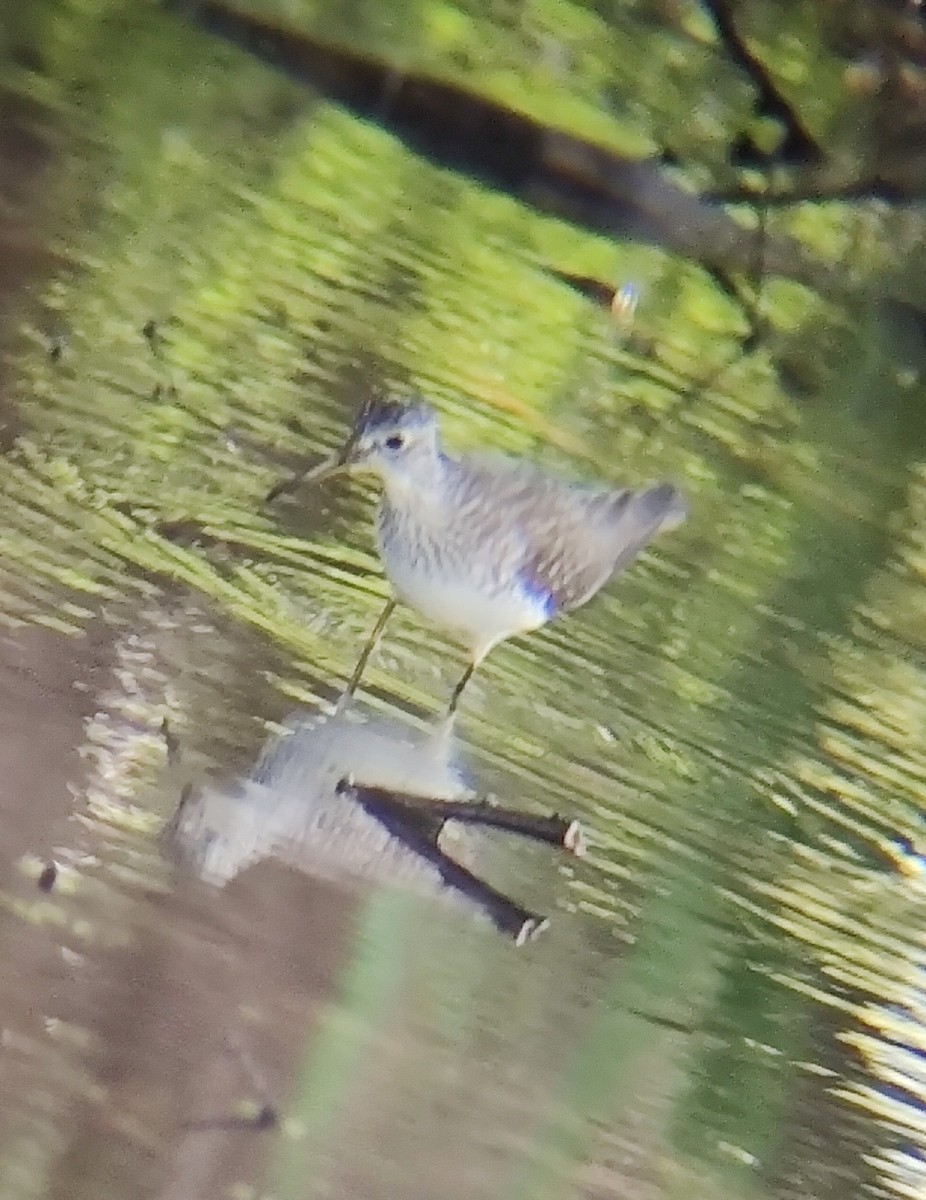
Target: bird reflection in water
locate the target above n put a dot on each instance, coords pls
(364, 799)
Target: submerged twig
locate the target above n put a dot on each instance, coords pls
(266, 1116)
(419, 830)
(553, 830)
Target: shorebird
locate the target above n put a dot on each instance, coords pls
(487, 547)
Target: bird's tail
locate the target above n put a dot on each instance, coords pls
(665, 505)
(641, 515)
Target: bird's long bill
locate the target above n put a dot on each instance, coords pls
(336, 465)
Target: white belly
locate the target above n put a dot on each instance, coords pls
(479, 617)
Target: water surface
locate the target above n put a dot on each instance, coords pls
(729, 1000)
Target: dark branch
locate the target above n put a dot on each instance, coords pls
(857, 191)
(798, 145)
(551, 169)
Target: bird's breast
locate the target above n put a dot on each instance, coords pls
(453, 582)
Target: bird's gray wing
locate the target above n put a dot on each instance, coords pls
(616, 527)
(565, 540)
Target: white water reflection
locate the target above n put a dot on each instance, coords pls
(362, 799)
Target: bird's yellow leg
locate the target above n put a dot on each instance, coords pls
(372, 642)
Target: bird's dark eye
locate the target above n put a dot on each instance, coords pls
(395, 441)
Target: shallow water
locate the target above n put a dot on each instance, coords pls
(729, 999)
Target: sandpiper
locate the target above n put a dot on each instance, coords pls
(488, 547)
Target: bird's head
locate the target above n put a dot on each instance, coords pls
(394, 439)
